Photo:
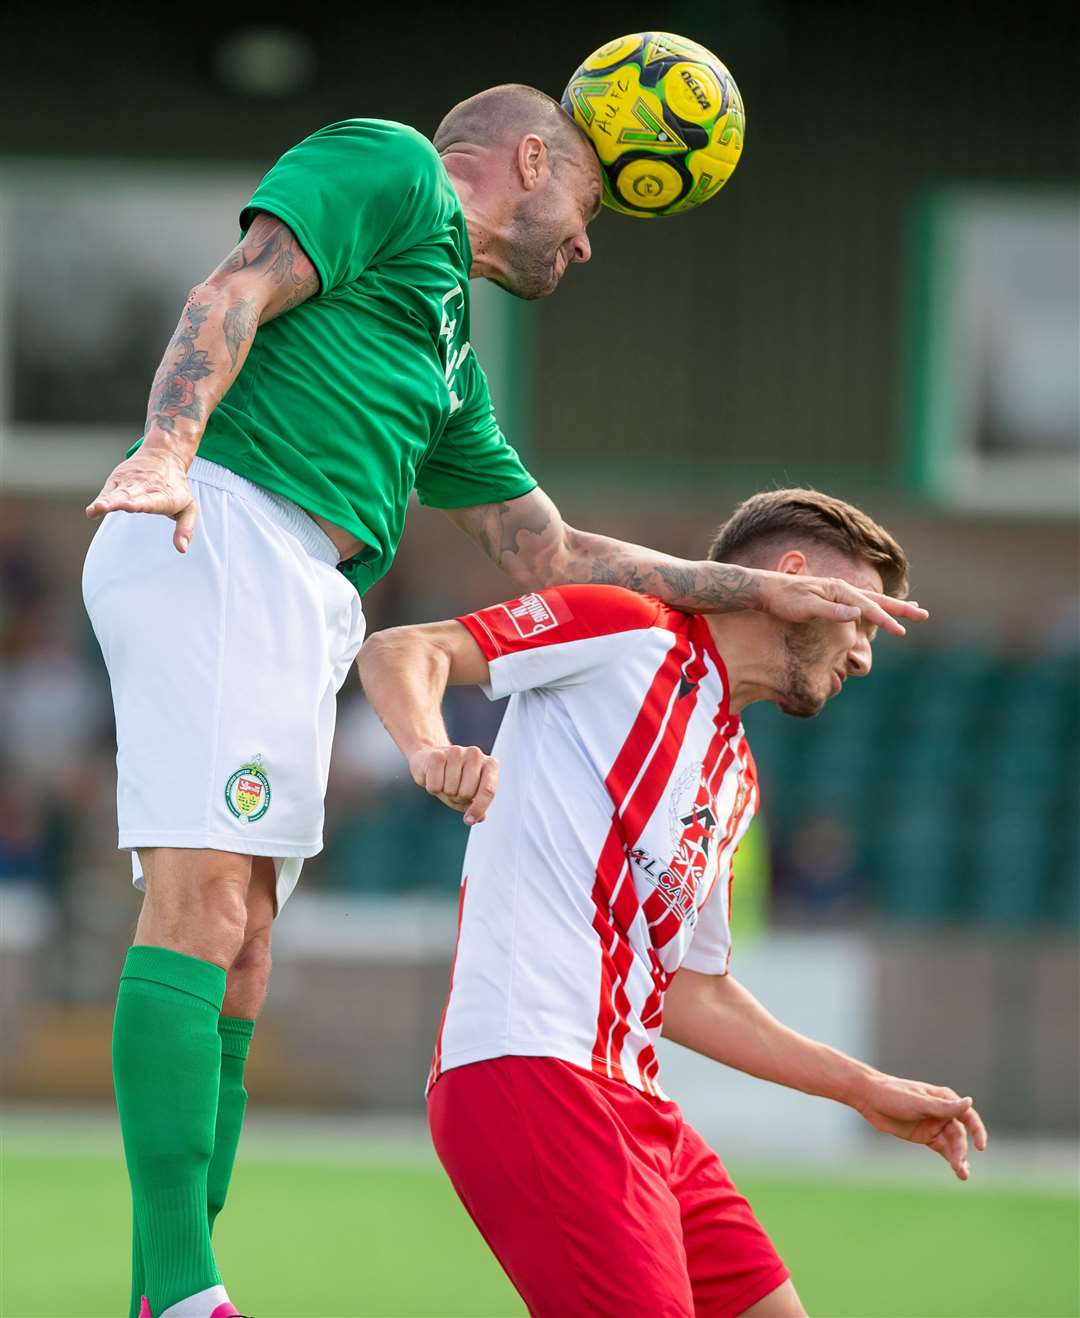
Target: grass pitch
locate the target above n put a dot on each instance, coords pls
(313, 1233)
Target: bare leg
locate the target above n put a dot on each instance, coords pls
(245, 993)
(167, 1061)
(780, 1303)
(249, 974)
(196, 902)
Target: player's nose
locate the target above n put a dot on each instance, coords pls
(581, 248)
(860, 658)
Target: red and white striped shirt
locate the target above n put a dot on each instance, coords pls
(605, 861)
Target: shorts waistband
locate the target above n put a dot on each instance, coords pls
(284, 512)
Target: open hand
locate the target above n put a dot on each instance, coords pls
(795, 597)
(462, 777)
(151, 481)
(924, 1114)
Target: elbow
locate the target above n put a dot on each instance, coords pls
(549, 564)
(377, 652)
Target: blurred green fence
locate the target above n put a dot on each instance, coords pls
(955, 773)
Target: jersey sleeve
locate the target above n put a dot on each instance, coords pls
(472, 462)
(557, 638)
(710, 947)
(353, 193)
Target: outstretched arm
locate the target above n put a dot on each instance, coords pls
(529, 540)
(405, 672)
(266, 275)
(715, 1016)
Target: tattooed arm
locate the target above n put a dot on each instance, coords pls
(265, 276)
(529, 540)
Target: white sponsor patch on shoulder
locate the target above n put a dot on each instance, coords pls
(530, 615)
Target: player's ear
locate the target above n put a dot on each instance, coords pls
(792, 561)
(532, 161)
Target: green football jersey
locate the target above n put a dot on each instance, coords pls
(371, 388)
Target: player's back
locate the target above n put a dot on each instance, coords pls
(625, 786)
(370, 388)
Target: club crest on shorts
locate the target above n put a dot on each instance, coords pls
(247, 793)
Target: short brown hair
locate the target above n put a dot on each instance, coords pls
(774, 517)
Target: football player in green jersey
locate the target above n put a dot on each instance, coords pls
(316, 378)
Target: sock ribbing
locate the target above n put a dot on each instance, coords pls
(235, 1034)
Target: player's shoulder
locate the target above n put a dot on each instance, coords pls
(402, 146)
(603, 609)
(562, 614)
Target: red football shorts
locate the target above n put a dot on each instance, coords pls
(595, 1197)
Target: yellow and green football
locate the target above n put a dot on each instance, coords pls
(665, 117)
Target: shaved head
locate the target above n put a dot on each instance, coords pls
(506, 114)
(530, 181)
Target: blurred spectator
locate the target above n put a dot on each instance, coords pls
(818, 876)
(22, 843)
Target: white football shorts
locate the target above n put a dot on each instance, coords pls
(224, 664)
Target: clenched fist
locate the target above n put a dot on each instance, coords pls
(462, 777)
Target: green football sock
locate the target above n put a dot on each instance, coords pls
(166, 1070)
(235, 1034)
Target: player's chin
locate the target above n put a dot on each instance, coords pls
(801, 705)
(530, 289)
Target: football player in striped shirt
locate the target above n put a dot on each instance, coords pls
(594, 915)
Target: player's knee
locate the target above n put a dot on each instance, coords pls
(199, 909)
(218, 916)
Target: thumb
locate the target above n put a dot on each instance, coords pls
(185, 527)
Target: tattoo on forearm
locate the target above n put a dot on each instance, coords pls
(528, 539)
(724, 588)
(239, 324)
(679, 580)
(174, 394)
(698, 587)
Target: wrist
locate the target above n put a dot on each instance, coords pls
(180, 447)
(856, 1084)
(413, 746)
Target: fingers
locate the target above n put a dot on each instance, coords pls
(185, 526)
(899, 608)
(976, 1128)
(462, 777)
(947, 1104)
(853, 603)
(485, 793)
(122, 499)
(118, 499)
(951, 1144)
